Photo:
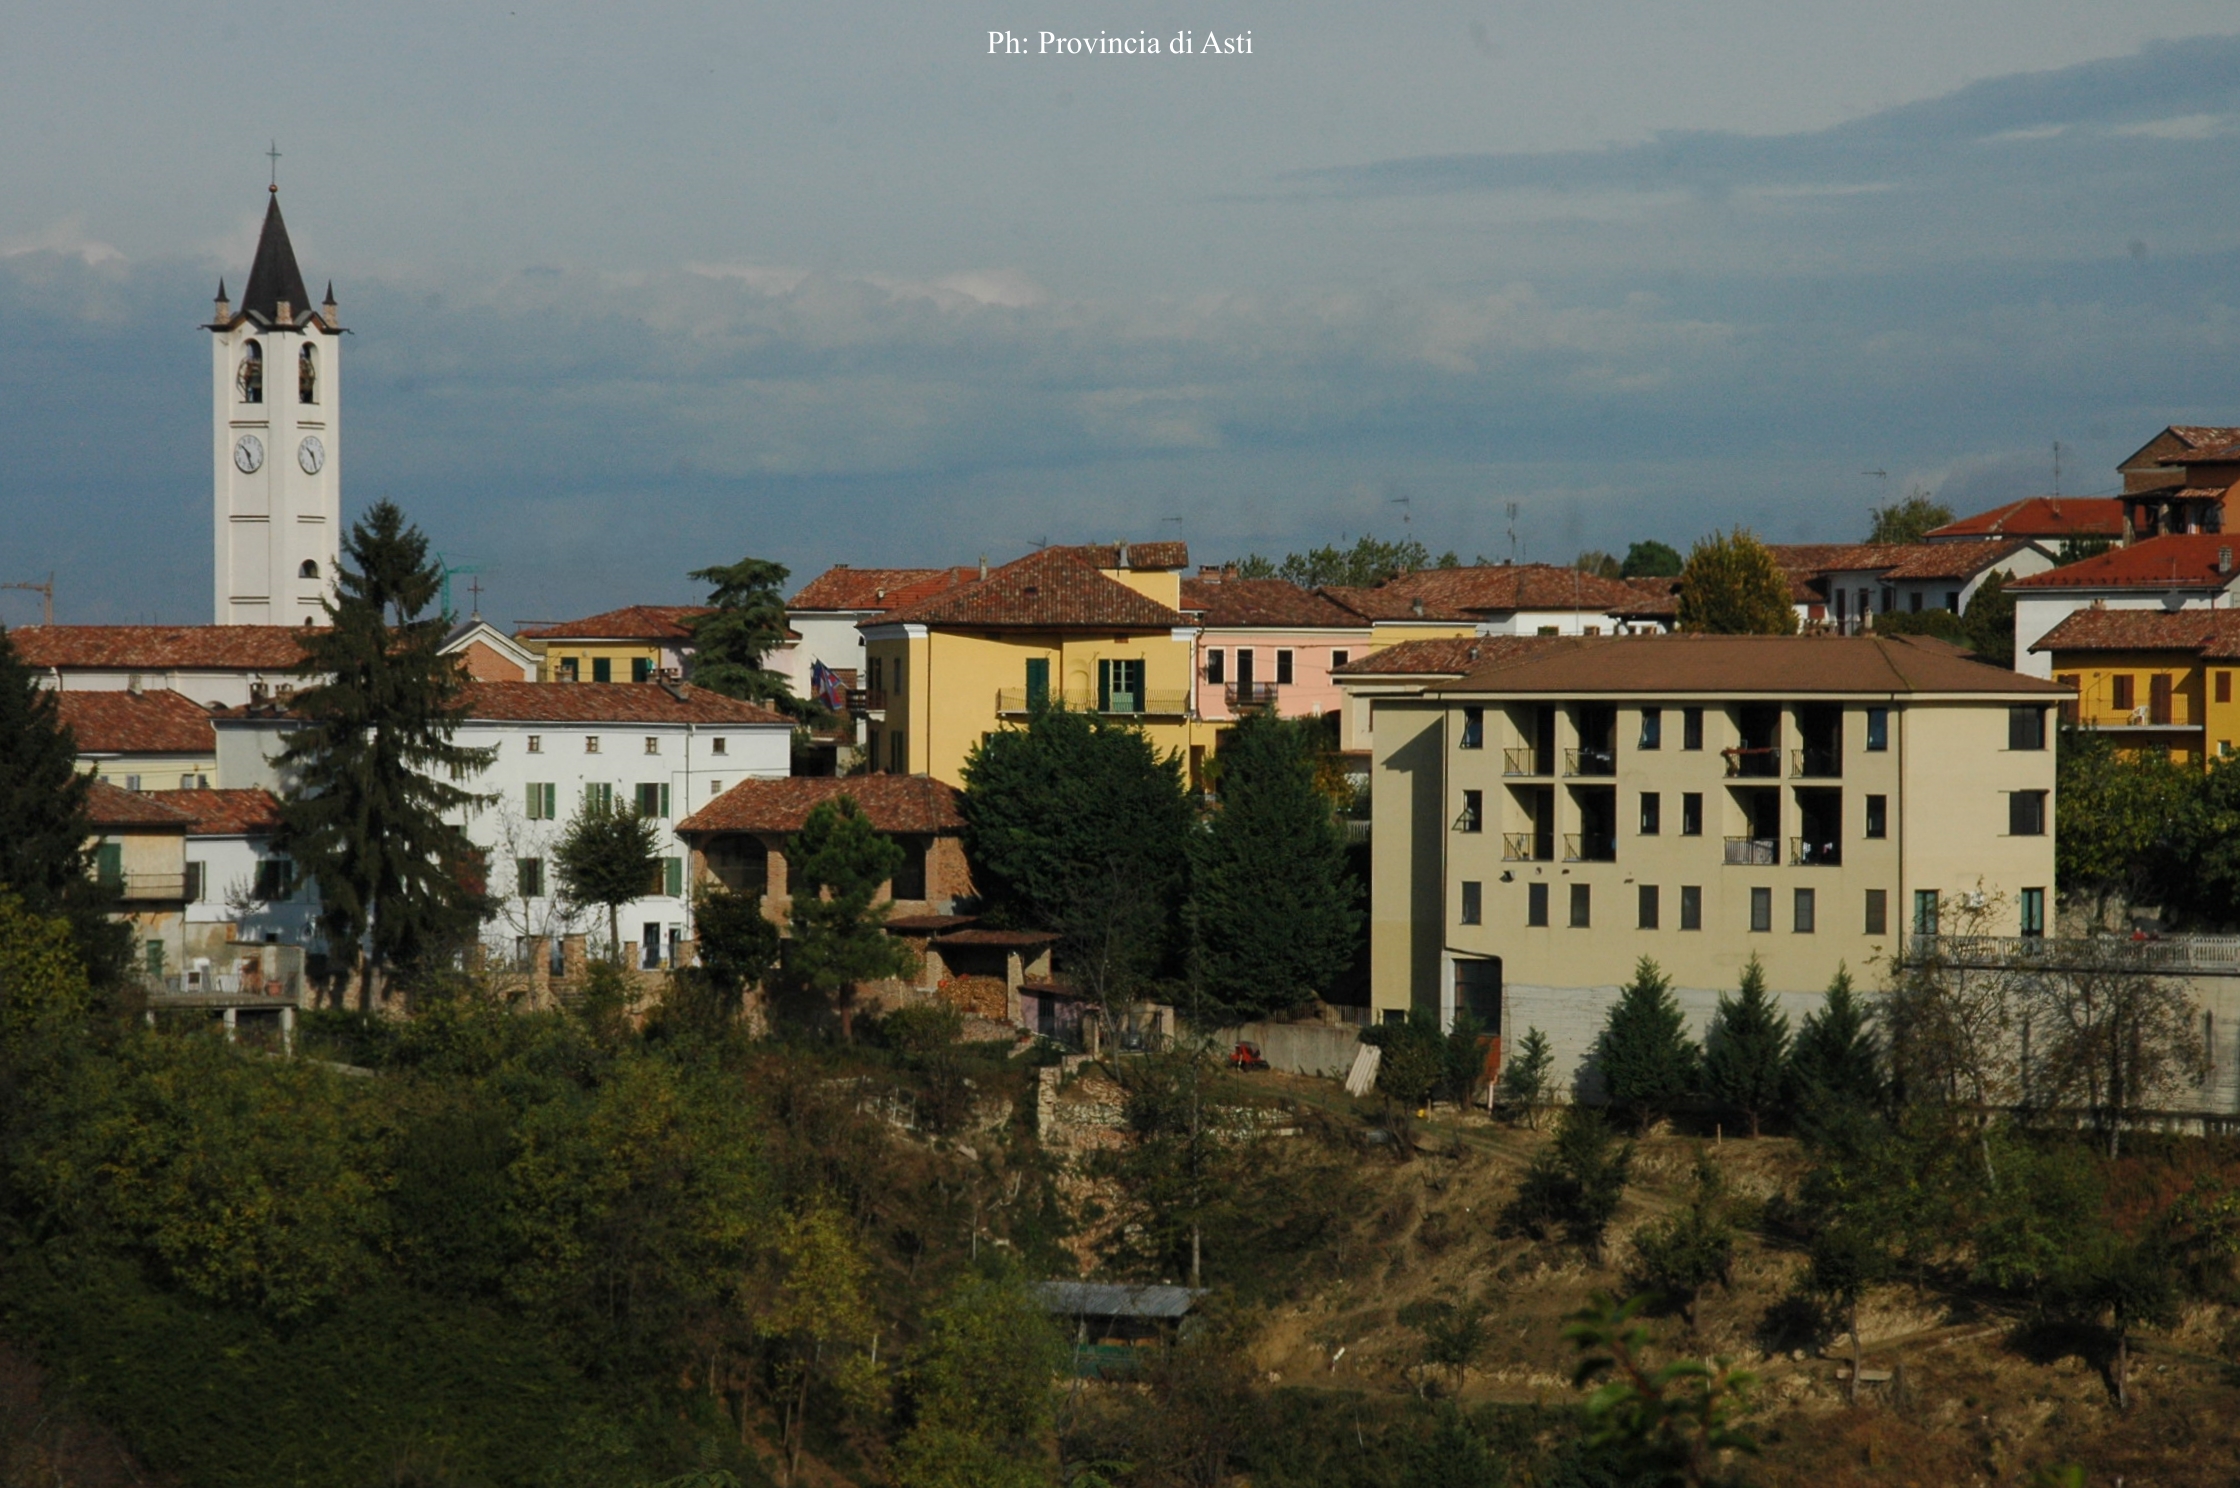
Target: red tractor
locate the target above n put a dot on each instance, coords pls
(1246, 1057)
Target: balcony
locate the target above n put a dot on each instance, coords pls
(1527, 847)
(1760, 761)
(147, 886)
(867, 700)
(1522, 762)
(1590, 762)
(1249, 694)
(1816, 764)
(1590, 847)
(1808, 852)
(1753, 852)
(1017, 702)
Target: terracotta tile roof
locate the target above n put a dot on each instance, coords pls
(2206, 436)
(2213, 634)
(2180, 561)
(1674, 665)
(223, 813)
(1378, 604)
(1449, 657)
(876, 589)
(1054, 589)
(1953, 560)
(161, 648)
(112, 806)
(630, 623)
(1468, 593)
(158, 721)
(928, 924)
(1275, 603)
(1020, 939)
(2050, 517)
(1145, 555)
(1660, 599)
(609, 702)
(895, 803)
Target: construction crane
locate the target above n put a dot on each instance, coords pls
(46, 596)
(457, 568)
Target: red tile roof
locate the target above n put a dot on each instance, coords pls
(112, 806)
(158, 721)
(1953, 560)
(1142, 555)
(1451, 657)
(630, 623)
(2049, 517)
(161, 648)
(894, 803)
(608, 702)
(2212, 634)
(1272, 603)
(2180, 561)
(223, 813)
(876, 589)
(1469, 593)
(1672, 665)
(1050, 590)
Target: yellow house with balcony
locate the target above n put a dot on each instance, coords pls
(2151, 679)
(639, 643)
(1098, 629)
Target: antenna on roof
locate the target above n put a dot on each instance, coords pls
(1407, 512)
(2057, 470)
(1512, 534)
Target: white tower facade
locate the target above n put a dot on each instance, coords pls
(276, 401)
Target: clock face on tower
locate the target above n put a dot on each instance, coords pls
(311, 454)
(248, 454)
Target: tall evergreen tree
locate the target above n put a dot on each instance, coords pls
(608, 857)
(372, 763)
(45, 859)
(1273, 912)
(1732, 586)
(1748, 1057)
(1834, 1060)
(1649, 1064)
(835, 866)
(746, 625)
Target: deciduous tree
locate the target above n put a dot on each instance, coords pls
(1908, 521)
(2111, 1040)
(2118, 811)
(609, 856)
(1733, 586)
(1369, 562)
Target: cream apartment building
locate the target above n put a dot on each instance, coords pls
(1567, 806)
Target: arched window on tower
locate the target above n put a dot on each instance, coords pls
(310, 570)
(250, 379)
(307, 375)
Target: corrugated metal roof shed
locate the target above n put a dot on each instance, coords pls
(1108, 1299)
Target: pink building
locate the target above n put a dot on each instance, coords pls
(1268, 642)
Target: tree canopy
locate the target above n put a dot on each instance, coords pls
(1732, 586)
(835, 866)
(1748, 1054)
(1908, 521)
(1650, 559)
(608, 857)
(1370, 561)
(1649, 1064)
(45, 840)
(746, 625)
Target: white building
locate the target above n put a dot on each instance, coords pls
(2184, 571)
(221, 666)
(826, 613)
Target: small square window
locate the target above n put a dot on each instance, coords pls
(1647, 893)
(2026, 814)
(1878, 911)
(1536, 904)
(1761, 910)
(590, 743)
(1652, 813)
(719, 745)
(1691, 728)
(1804, 912)
(1878, 816)
(715, 787)
(536, 743)
(1878, 728)
(2026, 727)
(1691, 907)
(1473, 902)
(1582, 900)
(1339, 659)
(1652, 728)
(1691, 814)
(653, 743)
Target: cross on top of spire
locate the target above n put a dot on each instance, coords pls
(273, 154)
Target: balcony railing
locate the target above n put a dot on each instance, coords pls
(1816, 764)
(1806, 852)
(1753, 852)
(1590, 847)
(2203, 953)
(1522, 762)
(1527, 847)
(867, 700)
(1753, 760)
(1249, 694)
(146, 886)
(1014, 701)
(1590, 762)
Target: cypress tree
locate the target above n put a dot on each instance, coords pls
(1273, 912)
(1745, 1065)
(1834, 1060)
(45, 857)
(1648, 1061)
(372, 764)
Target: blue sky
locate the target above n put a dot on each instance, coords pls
(636, 291)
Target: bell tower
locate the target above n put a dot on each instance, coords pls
(276, 404)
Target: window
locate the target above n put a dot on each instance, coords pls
(1878, 816)
(1878, 911)
(541, 800)
(2033, 912)
(1889, 599)
(1652, 813)
(198, 880)
(1120, 686)
(2026, 814)
(602, 669)
(1924, 911)
(1652, 728)
(275, 877)
(1473, 728)
(719, 745)
(1582, 901)
(1339, 659)
(1878, 728)
(1761, 910)
(2224, 687)
(132, 782)
(672, 877)
(1038, 683)
(1536, 904)
(2026, 727)
(1647, 894)
(1691, 728)
(1803, 913)
(2119, 692)
(590, 743)
(653, 743)
(108, 863)
(898, 673)
(1913, 601)
(1217, 666)
(1473, 902)
(1283, 667)
(715, 787)
(528, 877)
(565, 669)
(307, 374)
(1952, 600)
(250, 377)
(1473, 812)
(653, 800)
(536, 743)
(1691, 814)
(641, 669)
(898, 752)
(308, 569)
(878, 678)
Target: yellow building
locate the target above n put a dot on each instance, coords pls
(640, 643)
(2151, 679)
(1096, 628)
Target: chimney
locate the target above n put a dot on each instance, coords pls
(1123, 563)
(1415, 607)
(983, 566)
(222, 311)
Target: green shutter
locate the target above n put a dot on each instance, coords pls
(109, 863)
(536, 801)
(1038, 683)
(551, 800)
(1104, 687)
(664, 802)
(672, 875)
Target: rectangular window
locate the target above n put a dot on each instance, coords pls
(1952, 600)
(2026, 727)
(1652, 813)
(1473, 902)
(1691, 907)
(1761, 910)
(1652, 728)
(1804, 912)
(1217, 666)
(2158, 700)
(198, 879)
(536, 743)
(598, 795)
(878, 679)
(641, 669)
(1582, 903)
(528, 877)
(1647, 893)
(2026, 814)
(1924, 911)
(1691, 814)
(1339, 659)
(1283, 667)
(1878, 816)
(653, 743)
(1536, 904)
(1473, 728)
(1913, 601)
(567, 672)
(2033, 912)
(2119, 692)
(1691, 728)
(1120, 686)
(719, 745)
(1473, 818)
(672, 877)
(1878, 728)
(2224, 687)
(898, 752)
(653, 800)
(541, 800)
(275, 877)
(590, 743)
(1038, 683)
(1878, 911)
(132, 782)
(715, 788)
(602, 669)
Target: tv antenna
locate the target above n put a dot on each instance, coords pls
(46, 596)
(1512, 534)
(1407, 512)
(2057, 467)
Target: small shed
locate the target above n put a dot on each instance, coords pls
(1111, 1325)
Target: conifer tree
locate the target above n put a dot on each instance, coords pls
(835, 866)
(746, 625)
(1834, 1059)
(1525, 1077)
(45, 859)
(1273, 912)
(372, 763)
(1649, 1064)
(1748, 1057)
(1732, 586)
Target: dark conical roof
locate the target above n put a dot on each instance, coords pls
(274, 277)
